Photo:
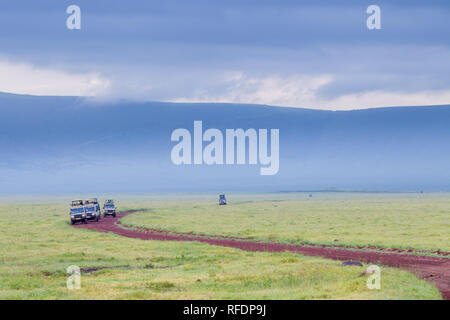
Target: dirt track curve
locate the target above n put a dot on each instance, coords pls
(435, 270)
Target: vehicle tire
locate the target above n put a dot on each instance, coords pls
(72, 222)
(96, 219)
(114, 215)
(85, 221)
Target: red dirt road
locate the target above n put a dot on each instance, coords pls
(435, 270)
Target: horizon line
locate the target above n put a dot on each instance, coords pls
(104, 101)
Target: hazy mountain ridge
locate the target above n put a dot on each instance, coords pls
(56, 144)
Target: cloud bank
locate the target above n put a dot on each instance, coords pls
(303, 91)
(306, 55)
(25, 78)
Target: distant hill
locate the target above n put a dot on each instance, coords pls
(65, 144)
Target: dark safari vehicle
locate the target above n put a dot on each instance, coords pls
(222, 200)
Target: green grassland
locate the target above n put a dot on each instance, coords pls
(420, 221)
(37, 245)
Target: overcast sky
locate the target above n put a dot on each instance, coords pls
(285, 53)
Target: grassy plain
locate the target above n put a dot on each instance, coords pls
(37, 245)
(420, 221)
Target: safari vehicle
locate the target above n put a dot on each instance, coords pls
(109, 208)
(92, 208)
(222, 200)
(77, 212)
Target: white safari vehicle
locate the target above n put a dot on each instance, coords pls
(92, 209)
(109, 208)
(77, 212)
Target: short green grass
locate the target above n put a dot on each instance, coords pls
(37, 245)
(419, 221)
